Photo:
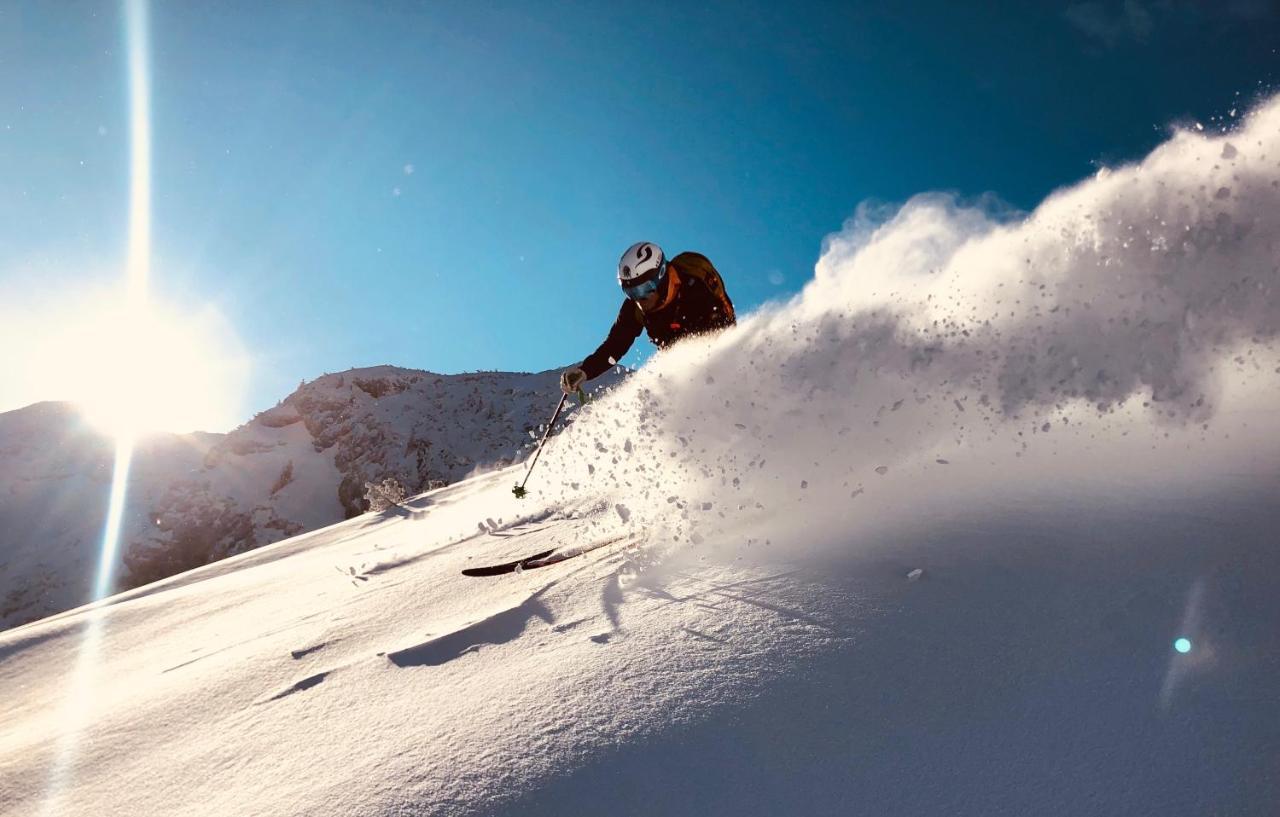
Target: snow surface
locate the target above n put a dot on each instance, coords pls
(195, 498)
(1083, 473)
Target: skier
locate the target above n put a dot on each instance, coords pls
(668, 299)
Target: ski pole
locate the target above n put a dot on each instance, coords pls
(519, 490)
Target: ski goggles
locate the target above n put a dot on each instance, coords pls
(642, 286)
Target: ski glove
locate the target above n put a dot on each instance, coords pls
(572, 379)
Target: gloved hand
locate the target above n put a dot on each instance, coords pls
(572, 379)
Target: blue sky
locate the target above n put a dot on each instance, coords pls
(448, 185)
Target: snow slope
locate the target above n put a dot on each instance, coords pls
(195, 498)
(918, 542)
(356, 671)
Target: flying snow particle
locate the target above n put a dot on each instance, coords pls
(1182, 645)
(408, 170)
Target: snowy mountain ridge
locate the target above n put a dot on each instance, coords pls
(296, 467)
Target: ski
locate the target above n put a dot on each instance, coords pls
(543, 559)
(505, 567)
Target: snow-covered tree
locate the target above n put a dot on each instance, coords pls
(384, 494)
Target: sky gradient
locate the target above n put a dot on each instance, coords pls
(447, 186)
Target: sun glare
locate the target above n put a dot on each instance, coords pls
(132, 365)
(145, 368)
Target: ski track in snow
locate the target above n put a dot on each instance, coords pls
(916, 542)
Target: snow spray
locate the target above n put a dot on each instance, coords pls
(947, 354)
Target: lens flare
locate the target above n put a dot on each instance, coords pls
(1181, 668)
(139, 264)
(115, 516)
(86, 675)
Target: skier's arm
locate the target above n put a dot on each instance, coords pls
(624, 332)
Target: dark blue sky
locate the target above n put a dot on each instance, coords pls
(448, 185)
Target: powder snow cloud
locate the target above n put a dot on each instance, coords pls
(952, 343)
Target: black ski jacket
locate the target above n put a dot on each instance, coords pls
(692, 309)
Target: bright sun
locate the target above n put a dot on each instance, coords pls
(150, 368)
(136, 366)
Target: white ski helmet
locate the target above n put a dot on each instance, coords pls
(641, 269)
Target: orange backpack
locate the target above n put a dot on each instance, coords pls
(695, 265)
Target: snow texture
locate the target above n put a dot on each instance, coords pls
(1099, 377)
